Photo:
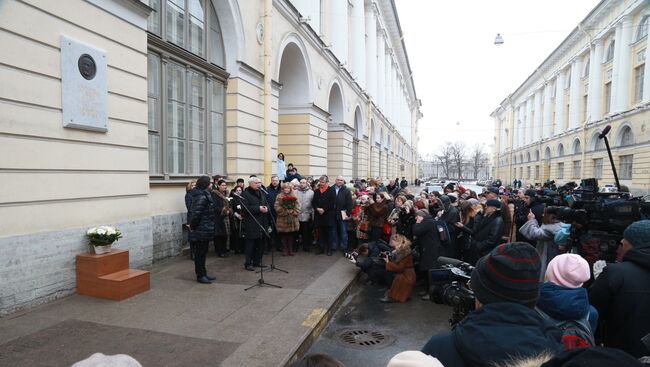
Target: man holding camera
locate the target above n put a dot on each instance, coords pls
(505, 323)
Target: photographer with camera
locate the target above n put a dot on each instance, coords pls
(621, 292)
(529, 204)
(543, 235)
(505, 323)
(400, 262)
(372, 262)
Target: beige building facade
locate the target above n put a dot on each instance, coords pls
(598, 76)
(162, 91)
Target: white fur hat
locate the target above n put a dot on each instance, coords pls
(413, 358)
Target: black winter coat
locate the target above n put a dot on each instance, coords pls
(343, 202)
(253, 199)
(201, 216)
(451, 217)
(486, 233)
(495, 333)
(325, 200)
(521, 217)
(621, 294)
(428, 242)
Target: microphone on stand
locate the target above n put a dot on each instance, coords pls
(605, 131)
(239, 196)
(264, 191)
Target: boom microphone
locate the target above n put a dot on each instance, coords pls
(449, 260)
(605, 131)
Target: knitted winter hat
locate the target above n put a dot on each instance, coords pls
(472, 201)
(423, 213)
(413, 358)
(568, 270)
(510, 273)
(638, 233)
(494, 202)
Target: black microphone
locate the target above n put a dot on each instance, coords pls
(239, 196)
(605, 131)
(266, 192)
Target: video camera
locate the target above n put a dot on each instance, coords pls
(449, 285)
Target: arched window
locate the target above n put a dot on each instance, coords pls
(186, 106)
(528, 157)
(521, 158)
(642, 29)
(560, 150)
(626, 137)
(609, 56)
(585, 72)
(547, 154)
(537, 156)
(577, 149)
(596, 143)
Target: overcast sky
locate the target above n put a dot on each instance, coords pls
(460, 75)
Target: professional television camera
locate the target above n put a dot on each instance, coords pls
(448, 285)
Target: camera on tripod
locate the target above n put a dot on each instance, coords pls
(448, 285)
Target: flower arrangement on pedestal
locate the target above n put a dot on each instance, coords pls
(102, 237)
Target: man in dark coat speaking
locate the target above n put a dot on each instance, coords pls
(255, 222)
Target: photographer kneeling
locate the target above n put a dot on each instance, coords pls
(372, 263)
(505, 323)
(400, 262)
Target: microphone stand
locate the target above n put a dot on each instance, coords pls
(260, 282)
(272, 266)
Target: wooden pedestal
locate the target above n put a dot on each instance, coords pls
(108, 276)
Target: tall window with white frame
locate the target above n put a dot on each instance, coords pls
(625, 162)
(576, 168)
(186, 89)
(598, 168)
(560, 170)
(639, 75)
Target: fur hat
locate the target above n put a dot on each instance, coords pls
(509, 273)
(568, 270)
(413, 358)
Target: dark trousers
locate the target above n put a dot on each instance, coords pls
(305, 235)
(324, 235)
(200, 250)
(253, 251)
(220, 245)
(375, 233)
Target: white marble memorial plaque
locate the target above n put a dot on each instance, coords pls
(83, 86)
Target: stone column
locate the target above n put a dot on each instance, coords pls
(381, 71)
(646, 75)
(537, 122)
(338, 28)
(559, 103)
(388, 66)
(358, 42)
(371, 51)
(529, 120)
(595, 81)
(516, 130)
(548, 112)
(621, 72)
(576, 94)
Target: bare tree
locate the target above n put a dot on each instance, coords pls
(458, 157)
(445, 158)
(478, 159)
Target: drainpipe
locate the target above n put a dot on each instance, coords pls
(268, 159)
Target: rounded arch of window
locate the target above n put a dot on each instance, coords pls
(625, 136)
(528, 157)
(537, 155)
(576, 147)
(560, 150)
(609, 55)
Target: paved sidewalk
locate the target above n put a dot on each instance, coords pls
(180, 322)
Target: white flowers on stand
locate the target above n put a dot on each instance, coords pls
(103, 235)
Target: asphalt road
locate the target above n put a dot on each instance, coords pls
(405, 326)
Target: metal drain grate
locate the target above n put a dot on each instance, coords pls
(363, 338)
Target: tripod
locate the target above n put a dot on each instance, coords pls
(260, 281)
(272, 266)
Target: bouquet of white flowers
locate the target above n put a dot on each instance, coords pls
(103, 235)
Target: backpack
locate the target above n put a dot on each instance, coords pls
(575, 333)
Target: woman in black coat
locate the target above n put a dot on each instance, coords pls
(236, 227)
(202, 219)
(222, 214)
(428, 243)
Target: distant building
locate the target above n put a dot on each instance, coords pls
(548, 128)
(109, 107)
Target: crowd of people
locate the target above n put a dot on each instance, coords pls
(535, 295)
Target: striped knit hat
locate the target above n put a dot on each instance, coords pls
(510, 273)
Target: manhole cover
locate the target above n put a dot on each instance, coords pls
(363, 338)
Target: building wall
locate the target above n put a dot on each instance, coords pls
(566, 99)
